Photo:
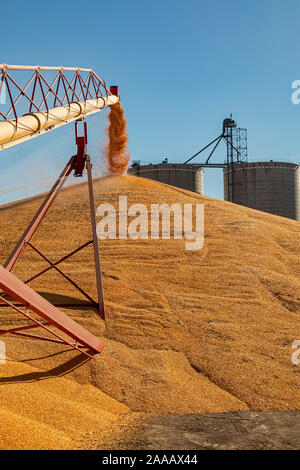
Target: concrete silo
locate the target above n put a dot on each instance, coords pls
(183, 176)
(272, 187)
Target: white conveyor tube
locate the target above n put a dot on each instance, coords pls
(33, 124)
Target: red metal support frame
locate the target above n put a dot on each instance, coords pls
(102, 310)
(38, 92)
(78, 163)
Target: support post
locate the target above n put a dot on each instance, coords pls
(95, 240)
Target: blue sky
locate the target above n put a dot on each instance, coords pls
(181, 67)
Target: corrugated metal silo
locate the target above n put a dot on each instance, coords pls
(183, 176)
(272, 187)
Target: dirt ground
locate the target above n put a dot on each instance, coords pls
(237, 430)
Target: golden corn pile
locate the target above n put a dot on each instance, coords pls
(188, 331)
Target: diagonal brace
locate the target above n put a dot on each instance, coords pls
(54, 266)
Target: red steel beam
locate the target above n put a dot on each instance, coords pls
(21, 328)
(59, 341)
(28, 297)
(102, 311)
